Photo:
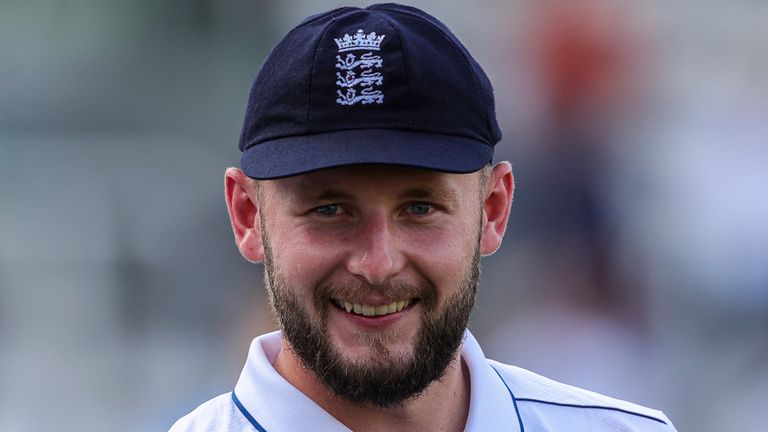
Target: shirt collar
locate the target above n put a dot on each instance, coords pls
(276, 405)
(491, 406)
(271, 400)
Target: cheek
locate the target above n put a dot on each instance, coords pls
(305, 259)
(458, 232)
(444, 255)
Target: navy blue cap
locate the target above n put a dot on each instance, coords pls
(388, 84)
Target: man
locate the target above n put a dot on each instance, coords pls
(368, 192)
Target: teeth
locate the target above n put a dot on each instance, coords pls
(368, 310)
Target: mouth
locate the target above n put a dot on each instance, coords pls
(373, 310)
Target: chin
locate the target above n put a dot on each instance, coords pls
(364, 345)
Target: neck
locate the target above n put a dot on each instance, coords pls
(443, 406)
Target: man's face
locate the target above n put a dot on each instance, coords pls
(372, 273)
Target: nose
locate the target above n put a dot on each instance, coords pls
(375, 254)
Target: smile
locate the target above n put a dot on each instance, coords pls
(371, 310)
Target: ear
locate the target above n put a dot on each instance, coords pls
(243, 207)
(496, 205)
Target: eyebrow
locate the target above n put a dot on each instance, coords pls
(309, 194)
(441, 194)
(438, 193)
(327, 195)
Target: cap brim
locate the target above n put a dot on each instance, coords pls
(294, 155)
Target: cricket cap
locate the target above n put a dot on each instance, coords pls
(388, 84)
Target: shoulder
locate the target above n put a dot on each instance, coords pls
(217, 415)
(545, 404)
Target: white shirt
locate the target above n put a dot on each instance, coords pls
(503, 398)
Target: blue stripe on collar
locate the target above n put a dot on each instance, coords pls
(246, 414)
(593, 407)
(514, 399)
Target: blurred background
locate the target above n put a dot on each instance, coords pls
(635, 263)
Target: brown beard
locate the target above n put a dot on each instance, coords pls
(385, 379)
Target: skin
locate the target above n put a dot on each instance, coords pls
(373, 226)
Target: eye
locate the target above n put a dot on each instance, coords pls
(329, 209)
(420, 208)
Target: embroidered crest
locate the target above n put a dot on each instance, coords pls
(360, 41)
(356, 78)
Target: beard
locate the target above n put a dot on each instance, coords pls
(383, 379)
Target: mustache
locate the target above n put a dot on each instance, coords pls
(357, 291)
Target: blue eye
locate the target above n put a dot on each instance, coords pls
(420, 208)
(328, 210)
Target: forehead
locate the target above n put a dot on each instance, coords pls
(364, 179)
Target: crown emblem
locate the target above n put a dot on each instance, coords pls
(359, 41)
